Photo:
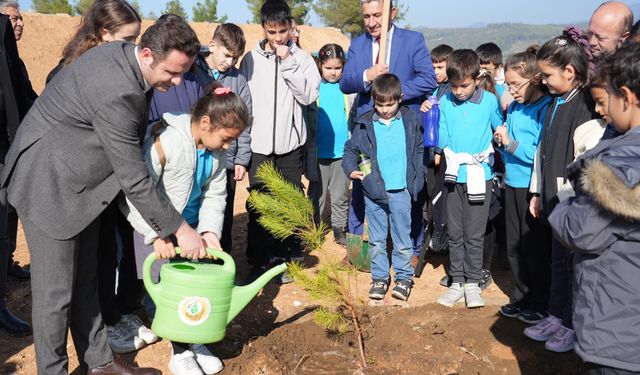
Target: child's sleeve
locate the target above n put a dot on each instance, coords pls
(302, 77)
(214, 200)
(526, 150)
(243, 154)
(496, 119)
(351, 152)
(154, 166)
(443, 129)
(535, 186)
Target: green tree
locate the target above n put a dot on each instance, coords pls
(52, 6)
(82, 6)
(207, 12)
(175, 7)
(346, 15)
(299, 9)
(152, 15)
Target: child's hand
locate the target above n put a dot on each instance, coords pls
(164, 248)
(357, 175)
(373, 72)
(436, 159)
(502, 136)
(426, 106)
(282, 52)
(212, 241)
(534, 206)
(240, 171)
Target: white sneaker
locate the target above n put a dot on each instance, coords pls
(209, 363)
(473, 295)
(122, 340)
(454, 294)
(135, 325)
(184, 364)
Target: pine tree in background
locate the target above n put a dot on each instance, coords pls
(175, 7)
(81, 6)
(207, 12)
(52, 6)
(152, 15)
(346, 15)
(299, 10)
(135, 5)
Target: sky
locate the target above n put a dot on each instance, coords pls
(430, 13)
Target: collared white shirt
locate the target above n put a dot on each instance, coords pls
(147, 86)
(375, 48)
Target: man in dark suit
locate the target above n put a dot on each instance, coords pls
(78, 149)
(408, 58)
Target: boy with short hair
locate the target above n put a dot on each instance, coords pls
(217, 64)
(391, 137)
(468, 116)
(286, 79)
(491, 59)
(439, 56)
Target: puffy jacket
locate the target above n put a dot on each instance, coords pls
(363, 141)
(601, 225)
(175, 178)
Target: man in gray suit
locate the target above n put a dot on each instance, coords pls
(78, 149)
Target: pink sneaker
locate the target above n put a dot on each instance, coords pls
(562, 341)
(544, 329)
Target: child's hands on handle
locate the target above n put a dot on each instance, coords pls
(190, 243)
(534, 206)
(426, 106)
(164, 248)
(501, 136)
(376, 70)
(240, 172)
(211, 241)
(357, 175)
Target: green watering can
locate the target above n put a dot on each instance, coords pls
(195, 301)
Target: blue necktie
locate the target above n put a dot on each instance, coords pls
(215, 74)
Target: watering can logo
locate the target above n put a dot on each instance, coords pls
(195, 301)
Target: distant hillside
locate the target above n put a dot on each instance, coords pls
(511, 37)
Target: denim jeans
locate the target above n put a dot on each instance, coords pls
(396, 212)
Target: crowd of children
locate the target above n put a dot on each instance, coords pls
(547, 137)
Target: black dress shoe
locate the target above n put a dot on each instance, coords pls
(13, 325)
(20, 273)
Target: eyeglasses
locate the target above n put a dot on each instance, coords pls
(516, 89)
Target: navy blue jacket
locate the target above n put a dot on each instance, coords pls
(178, 99)
(363, 141)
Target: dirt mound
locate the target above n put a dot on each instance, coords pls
(46, 35)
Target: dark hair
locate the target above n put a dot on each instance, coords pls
(598, 77)
(386, 87)
(170, 32)
(328, 52)
(570, 48)
(489, 53)
(226, 110)
(463, 63)
(109, 15)
(275, 12)
(634, 34)
(622, 68)
(231, 37)
(441, 53)
(487, 83)
(524, 62)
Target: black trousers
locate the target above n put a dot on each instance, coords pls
(261, 245)
(114, 226)
(530, 263)
(8, 233)
(226, 241)
(560, 293)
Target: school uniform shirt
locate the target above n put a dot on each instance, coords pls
(391, 154)
(333, 130)
(467, 127)
(524, 125)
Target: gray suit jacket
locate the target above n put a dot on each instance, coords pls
(80, 145)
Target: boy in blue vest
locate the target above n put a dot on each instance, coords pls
(468, 116)
(391, 137)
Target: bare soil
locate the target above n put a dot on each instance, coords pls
(275, 334)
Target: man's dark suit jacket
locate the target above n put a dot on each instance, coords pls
(79, 146)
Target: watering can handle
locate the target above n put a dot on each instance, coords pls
(229, 266)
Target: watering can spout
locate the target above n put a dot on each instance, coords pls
(242, 295)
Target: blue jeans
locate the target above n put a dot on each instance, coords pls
(397, 212)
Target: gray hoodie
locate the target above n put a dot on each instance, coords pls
(289, 85)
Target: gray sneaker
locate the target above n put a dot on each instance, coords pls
(454, 294)
(473, 295)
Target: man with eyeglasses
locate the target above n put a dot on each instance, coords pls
(609, 27)
(11, 9)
